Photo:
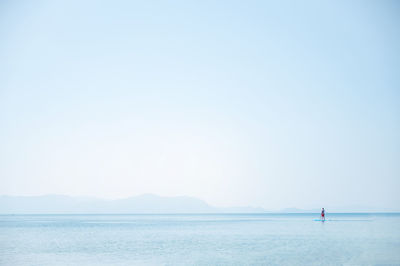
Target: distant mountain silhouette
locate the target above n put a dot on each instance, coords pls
(296, 210)
(146, 203)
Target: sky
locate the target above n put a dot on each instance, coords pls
(272, 104)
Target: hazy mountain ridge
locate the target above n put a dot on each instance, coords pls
(146, 203)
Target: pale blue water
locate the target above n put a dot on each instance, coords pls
(232, 239)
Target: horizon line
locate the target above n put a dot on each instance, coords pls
(265, 210)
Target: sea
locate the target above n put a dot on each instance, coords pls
(200, 239)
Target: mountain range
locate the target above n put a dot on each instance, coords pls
(146, 203)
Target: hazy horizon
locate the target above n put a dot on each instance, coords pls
(147, 204)
(267, 104)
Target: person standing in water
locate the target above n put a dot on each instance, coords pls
(323, 214)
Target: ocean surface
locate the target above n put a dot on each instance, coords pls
(198, 239)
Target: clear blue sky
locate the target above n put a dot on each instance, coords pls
(264, 103)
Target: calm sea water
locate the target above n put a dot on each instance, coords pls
(226, 239)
